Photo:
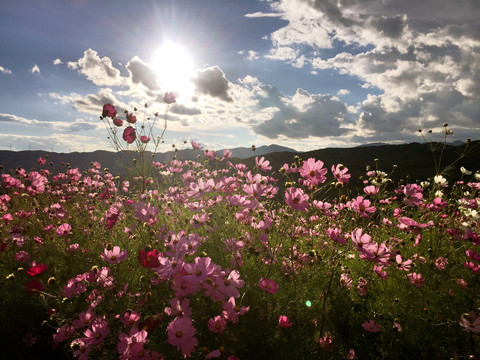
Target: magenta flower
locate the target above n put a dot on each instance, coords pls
(148, 259)
(34, 286)
(109, 110)
(114, 255)
(284, 322)
(144, 139)
(268, 285)
(181, 334)
(118, 122)
(169, 98)
(37, 269)
(371, 326)
(132, 119)
(129, 134)
(296, 199)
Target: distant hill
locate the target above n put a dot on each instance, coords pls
(115, 161)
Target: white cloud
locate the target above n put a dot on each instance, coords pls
(98, 70)
(5, 70)
(75, 126)
(252, 55)
(259, 14)
(343, 92)
(57, 62)
(421, 59)
(35, 69)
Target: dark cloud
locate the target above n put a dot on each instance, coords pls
(143, 74)
(180, 109)
(212, 82)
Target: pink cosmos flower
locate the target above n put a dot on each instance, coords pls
(326, 342)
(413, 194)
(362, 206)
(181, 334)
(130, 318)
(262, 164)
(114, 255)
(126, 342)
(64, 230)
(313, 171)
(41, 161)
(340, 173)
(296, 199)
(416, 279)
(129, 134)
(231, 311)
(169, 98)
(63, 333)
(109, 110)
(85, 318)
(371, 326)
(336, 235)
(199, 271)
(196, 146)
(22, 256)
(268, 285)
(218, 324)
(371, 190)
(470, 322)
(95, 335)
(284, 322)
(179, 308)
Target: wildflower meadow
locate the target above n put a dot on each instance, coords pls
(208, 258)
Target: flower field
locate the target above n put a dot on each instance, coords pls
(210, 259)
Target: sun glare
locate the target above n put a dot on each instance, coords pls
(174, 67)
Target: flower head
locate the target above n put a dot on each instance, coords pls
(129, 134)
(109, 110)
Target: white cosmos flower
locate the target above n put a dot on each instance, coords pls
(440, 180)
(465, 171)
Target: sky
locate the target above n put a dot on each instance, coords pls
(306, 74)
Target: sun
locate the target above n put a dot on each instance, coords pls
(173, 65)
